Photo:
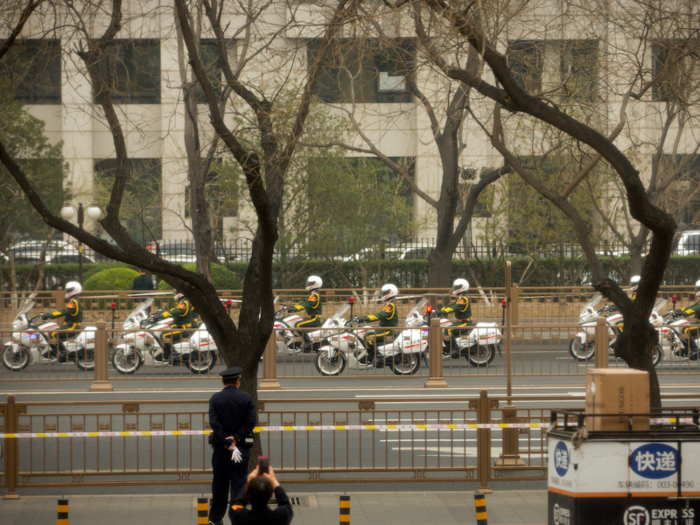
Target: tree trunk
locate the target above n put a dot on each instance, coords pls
(635, 346)
(440, 260)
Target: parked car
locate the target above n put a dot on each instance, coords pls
(183, 251)
(57, 252)
(688, 243)
(400, 252)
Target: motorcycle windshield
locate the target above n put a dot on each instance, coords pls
(341, 311)
(660, 304)
(28, 306)
(140, 308)
(417, 308)
(596, 299)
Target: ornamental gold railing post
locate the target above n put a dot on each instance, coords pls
(269, 380)
(11, 448)
(435, 379)
(602, 342)
(101, 352)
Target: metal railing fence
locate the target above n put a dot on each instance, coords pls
(301, 456)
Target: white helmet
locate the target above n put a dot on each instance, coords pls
(73, 289)
(697, 289)
(178, 295)
(460, 286)
(314, 282)
(634, 283)
(389, 291)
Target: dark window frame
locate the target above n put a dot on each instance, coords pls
(44, 56)
(364, 61)
(126, 69)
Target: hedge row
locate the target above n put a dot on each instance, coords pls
(405, 274)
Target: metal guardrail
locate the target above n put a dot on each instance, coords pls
(334, 456)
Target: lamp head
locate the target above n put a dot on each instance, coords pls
(68, 212)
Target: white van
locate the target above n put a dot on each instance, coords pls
(688, 244)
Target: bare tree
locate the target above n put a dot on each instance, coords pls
(243, 344)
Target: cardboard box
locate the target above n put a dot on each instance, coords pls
(617, 391)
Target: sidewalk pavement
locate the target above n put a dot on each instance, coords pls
(505, 507)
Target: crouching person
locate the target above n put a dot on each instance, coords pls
(257, 493)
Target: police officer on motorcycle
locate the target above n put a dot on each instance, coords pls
(313, 307)
(634, 284)
(184, 316)
(387, 319)
(693, 330)
(72, 318)
(462, 309)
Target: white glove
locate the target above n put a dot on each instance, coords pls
(237, 457)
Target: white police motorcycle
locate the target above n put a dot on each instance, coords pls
(287, 343)
(403, 354)
(145, 346)
(30, 343)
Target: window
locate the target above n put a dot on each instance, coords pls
(676, 59)
(130, 70)
(33, 68)
(579, 67)
(211, 60)
(141, 211)
(526, 59)
(367, 71)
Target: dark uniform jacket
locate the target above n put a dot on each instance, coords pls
(231, 413)
(462, 309)
(183, 314)
(72, 314)
(387, 317)
(282, 515)
(142, 282)
(692, 310)
(312, 305)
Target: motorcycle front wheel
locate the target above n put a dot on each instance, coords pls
(85, 359)
(406, 364)
(201, 362)
(126, 364)
(657, 356)
(12, 361)
(483, 355)
(330, 366)
(581, 352)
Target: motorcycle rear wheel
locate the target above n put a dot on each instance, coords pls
(657, 355)
(200, 362)
(581, 352)
(13, 361)
(85, 359)
(483, 356)
(126, 365)
(406, 364)
(330, 366)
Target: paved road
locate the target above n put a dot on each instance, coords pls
(380, 508)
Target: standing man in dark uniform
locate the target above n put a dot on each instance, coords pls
(387, 319)
(72, 318)
(142, 283)
(232, 419)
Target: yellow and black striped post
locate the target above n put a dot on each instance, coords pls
(62, 512)
(202, 511)
(344, 509)
(480, 503)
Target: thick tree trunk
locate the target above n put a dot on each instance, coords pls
(440, 260)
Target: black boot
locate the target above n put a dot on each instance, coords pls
(693, 355)
(167, 352)
(455, 348)
(62, 354)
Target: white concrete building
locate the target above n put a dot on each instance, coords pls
(549, 45)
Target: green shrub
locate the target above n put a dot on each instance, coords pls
(111, 279)
(222, 278)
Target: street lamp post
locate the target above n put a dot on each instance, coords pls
(93, 212)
